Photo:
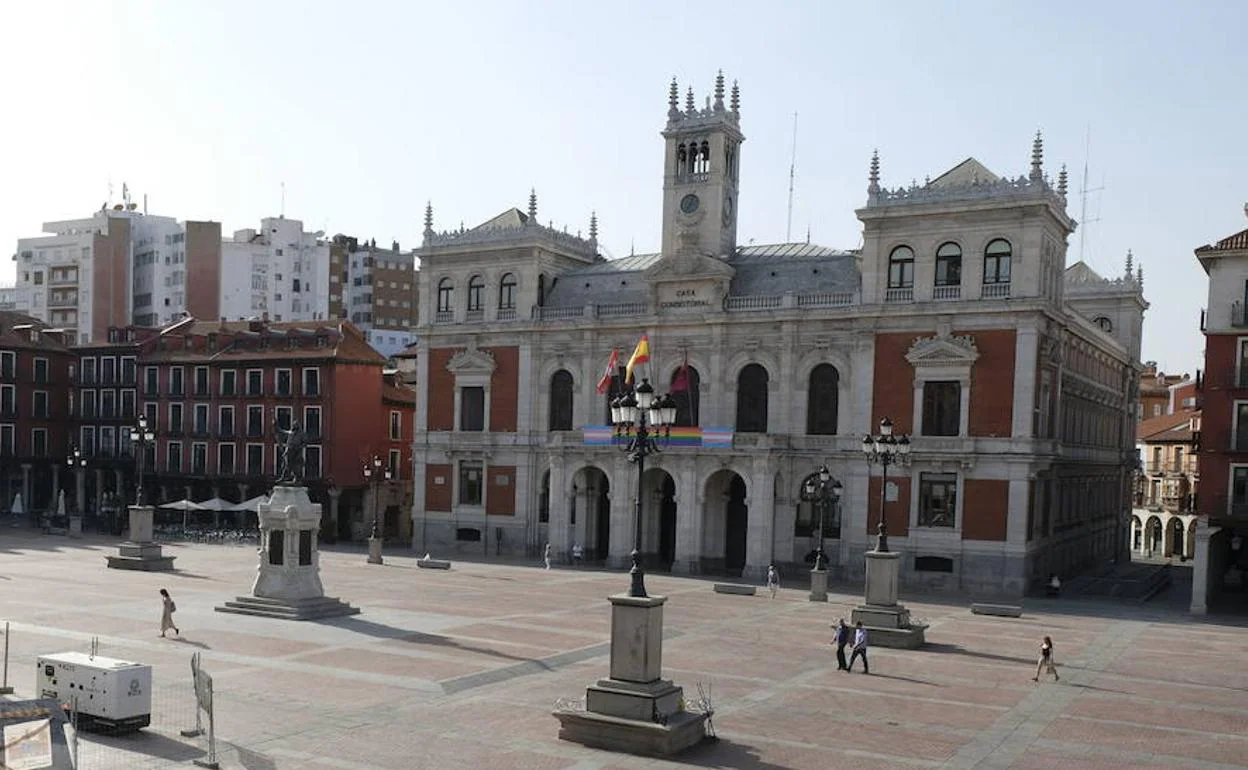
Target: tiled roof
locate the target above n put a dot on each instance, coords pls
(1236, 242)
(401, 395)
(13, 340)
(345, 342)
(1167, 427)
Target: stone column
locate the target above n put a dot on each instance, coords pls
(80, 490)
(119, 484)
(623, 487)
(559, 501)
(99, 489)
(688, 522)
(26, 501)
(56, 484)
(335, 493)
(760, 537)
(1200, 567)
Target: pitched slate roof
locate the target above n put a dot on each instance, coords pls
(1175, 427)
(967, 172)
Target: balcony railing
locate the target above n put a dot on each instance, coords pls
(900, 294)
(751, 302)
(507, 314)
(946, 292)
(996, 291)
(474, 316)
(444, 317)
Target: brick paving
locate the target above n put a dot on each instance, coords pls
(461, 669)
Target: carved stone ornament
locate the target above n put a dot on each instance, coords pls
(471, 361)
(943, 349)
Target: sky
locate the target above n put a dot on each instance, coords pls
(366, 110)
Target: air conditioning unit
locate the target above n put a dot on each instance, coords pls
(109, 694)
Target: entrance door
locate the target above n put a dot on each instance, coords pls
(667, 524)
(736, 527)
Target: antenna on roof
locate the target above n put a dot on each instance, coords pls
(1083, 197)
(788, 230)
(282, 214)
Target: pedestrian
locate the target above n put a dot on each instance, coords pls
(546, 556)
(1046, 661)
(860, 649)
(842, 639)
(773, 580)
(166, 613)
(577, 554)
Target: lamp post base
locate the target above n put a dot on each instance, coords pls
(819, 585)
(374, 550)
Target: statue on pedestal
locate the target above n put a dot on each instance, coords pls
(293, 443)
(881, 544)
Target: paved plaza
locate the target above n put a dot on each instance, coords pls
(461, 669)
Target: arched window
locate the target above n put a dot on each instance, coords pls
(560, 401)
(507, 292)
(822, 400)
(686, 389)
(543, 500)
(901, 268)
(1104, 323)
(476, 293)
(949, 265)
(997, 261)
(446, 295)
(752, 399)
(682, 159)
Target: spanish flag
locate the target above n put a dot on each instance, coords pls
(640, 356)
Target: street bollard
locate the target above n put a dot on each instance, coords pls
(4, 688)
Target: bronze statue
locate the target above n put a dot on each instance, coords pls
(293, 443)
(881, 545)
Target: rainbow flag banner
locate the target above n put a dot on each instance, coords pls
(693, 436)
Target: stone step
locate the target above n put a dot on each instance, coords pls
(301, 609)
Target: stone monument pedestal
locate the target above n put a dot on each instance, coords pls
(818, 585)
(288, 581)
(374, 550)
(887, 622)
(140, 552)
(635, 710)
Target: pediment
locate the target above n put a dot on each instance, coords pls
(943, 350)
(471, 361)
(684, 267)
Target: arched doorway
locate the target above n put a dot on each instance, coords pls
(1174, 544)
(726, 523)
(590, 514)
(1137, 534)
(1153, 539)
(1191, 540)
(659, 518)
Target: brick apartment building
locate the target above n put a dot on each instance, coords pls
(34, 408)
(1220, 571)
(214, 391)
(375, 289)
(1162, 394)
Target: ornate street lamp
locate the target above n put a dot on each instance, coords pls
(141, 437)
(824, 490)
(645, 421)
(886, 449)
(372, 477)
(76, 462)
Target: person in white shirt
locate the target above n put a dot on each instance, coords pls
(577, 554)
(546, 556)
(773, 580)
(860, 649)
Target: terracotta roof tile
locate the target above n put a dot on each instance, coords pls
(1236, 242)
(1167, 427)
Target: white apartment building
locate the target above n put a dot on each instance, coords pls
(279, 270)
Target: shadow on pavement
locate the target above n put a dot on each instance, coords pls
(720, 752)
(148, 743)
(382, 631)
(953, 649)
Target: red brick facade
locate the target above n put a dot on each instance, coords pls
(992, 383)
(893, 386)
(898, 521)
(985, 509)
(504, 389)
(438, 485)
(500, 496)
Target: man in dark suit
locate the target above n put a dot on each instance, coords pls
(842, 639)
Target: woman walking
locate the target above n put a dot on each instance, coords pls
(773, 580)
(1046, 661)
(166, 613)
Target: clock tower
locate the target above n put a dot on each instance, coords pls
(700, 172)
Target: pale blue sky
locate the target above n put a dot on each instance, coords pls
(368, 109)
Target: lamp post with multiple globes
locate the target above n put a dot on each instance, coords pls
(823, 490)
(886, 449)
(373, 477)
(141, 437)
(641, 422)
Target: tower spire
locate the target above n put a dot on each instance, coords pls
(1139, 276)
(593, 227)
(734, 103)
(533, 205)
(673, 101)
(428, 217)
(1130, 259)
(1037, 158)
(719, 91)
(689, 106)
(873, 178)
(1061, 182)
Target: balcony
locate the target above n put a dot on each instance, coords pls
(996, 291)
(62, 300)
(947, 292)
(507, 314)
(474, 316)
(899, 294)
(444, 317)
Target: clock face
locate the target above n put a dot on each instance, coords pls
(689, 203)
(727, 209)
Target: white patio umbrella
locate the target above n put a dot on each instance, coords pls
(250, 505)
(186, 506)
(216, 504)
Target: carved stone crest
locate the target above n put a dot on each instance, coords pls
(471, 361)
(943, 349)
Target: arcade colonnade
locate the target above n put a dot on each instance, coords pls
(1162, 534)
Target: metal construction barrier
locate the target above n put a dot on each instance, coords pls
(203, 704)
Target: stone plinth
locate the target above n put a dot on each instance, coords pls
(635, 710)
(288, 580)
(140, 552)
(887, 622)
(374, 550)
(818, 585)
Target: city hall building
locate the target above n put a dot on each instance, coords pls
(1014, 376)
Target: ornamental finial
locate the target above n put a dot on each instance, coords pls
(1139, 276)
(689, 106)
(1037, 158)
(533, 205)
(1130, 260)
(428, 217)
(1061, 182)
(719, 91)
(734, 103)
(673, 100)
(873, 178)
(593, 227)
